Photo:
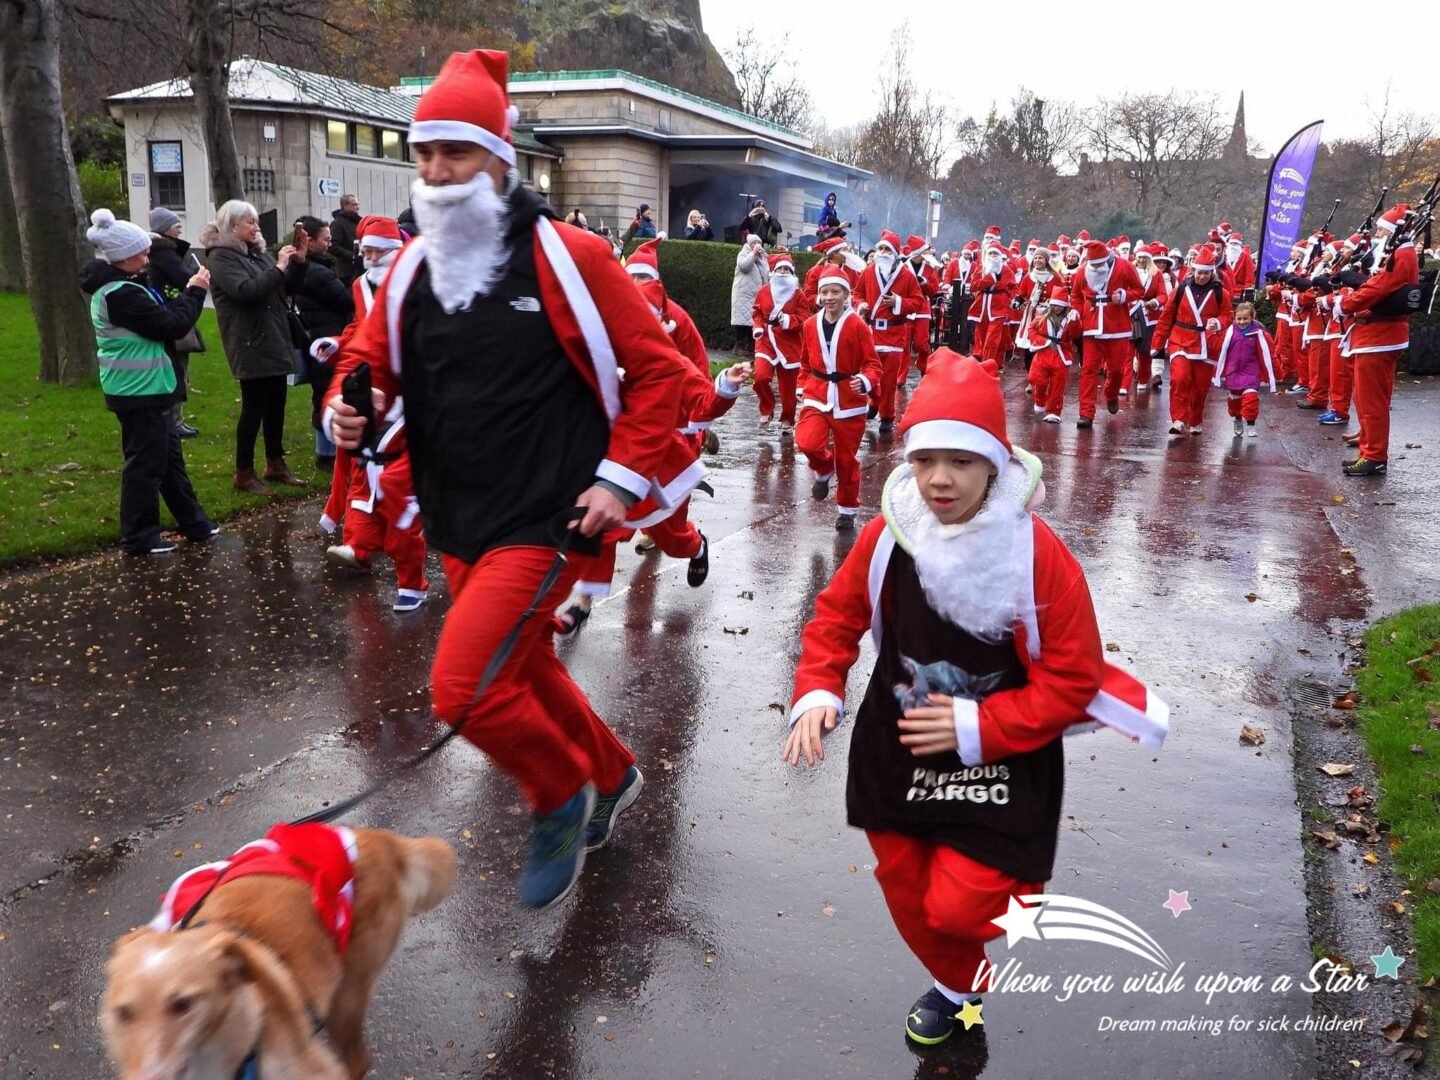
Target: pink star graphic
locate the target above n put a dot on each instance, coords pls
(1178, 902)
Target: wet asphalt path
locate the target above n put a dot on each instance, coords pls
(160, 714)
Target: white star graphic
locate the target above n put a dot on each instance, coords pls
(1178, 902)
(1018, 922)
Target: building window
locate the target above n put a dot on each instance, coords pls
(391, 143)
(259, 181)
(337, 137)
(167, 175)
(366, 144)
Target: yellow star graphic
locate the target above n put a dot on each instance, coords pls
(969, 1014)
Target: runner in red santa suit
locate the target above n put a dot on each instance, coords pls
(1153, 265)
(1034, 290)
(888, 294)
(1240, 262)
(993, 284)
(987, 653)
(778, 316)
(833, 252)
(1102, 293)
(957, 279)
(1052, 336)
(927, 272)
(840, 370)
(506, 333)
(1191, 326)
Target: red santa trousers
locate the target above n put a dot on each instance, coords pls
(1245, 404)
(1189, 389)
(1048, 375)
(765, 370)
(1300, 356)
(676, 536)
(1144, 362)
(533, 721)
(1342, 379)
(920, 341)
(942, 903)
(989, 341)
(392, 525)
(1374, 383)
(1319, 365)
(1113, 354)
(1284, 351)
(335, 505)
(815, 432)
(894, 366)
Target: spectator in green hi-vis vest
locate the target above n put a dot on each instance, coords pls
(132, 324)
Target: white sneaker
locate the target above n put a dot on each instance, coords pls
(1196, 430)
(344, 555)
(765, 422)
(1051, 418)
(408, 599)
(1039, 410)
(644, 544)
(1124, 392)
(1239, 426)
(1177, 427)
(1250, 430)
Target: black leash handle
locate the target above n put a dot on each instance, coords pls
(497, 661)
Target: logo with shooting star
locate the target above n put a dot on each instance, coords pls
(1288, 173)
(1054, 917)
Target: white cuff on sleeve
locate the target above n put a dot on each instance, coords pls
(817, 699)
(725, 388)
(784, 321)
(967, 731)
(895, 302)
(620, 476)
(866, 381)
(325, 418)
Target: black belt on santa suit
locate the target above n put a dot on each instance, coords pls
(832, 376)
(1191, 326)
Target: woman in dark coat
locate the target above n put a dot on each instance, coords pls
(171, 267)
(325, 305)
(759, 222)
(249, 291)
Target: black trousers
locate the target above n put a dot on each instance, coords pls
(154, 470)
(262, 404)
(745, 340)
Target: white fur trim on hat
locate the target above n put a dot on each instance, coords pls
(460, 131)
(380, 243)
(642, 269)
(833, 279)
(956, 435)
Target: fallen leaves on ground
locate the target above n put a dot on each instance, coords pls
(1111, 646)
(1329, 840)
(1371, 858)
(1331, 768)
(1251, 597)
(1338, 499)
(738, 631)
(1251, 735)
(1358, 797)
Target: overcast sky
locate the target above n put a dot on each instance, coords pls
(1217, 45)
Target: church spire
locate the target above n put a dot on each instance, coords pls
(1236, 148)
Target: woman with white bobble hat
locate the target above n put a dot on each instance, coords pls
(133, 324)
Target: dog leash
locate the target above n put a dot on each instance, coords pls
(497, 661)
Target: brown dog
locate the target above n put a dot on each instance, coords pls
(257, 971)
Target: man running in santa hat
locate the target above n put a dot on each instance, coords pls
(841, 370)
(506, 333)
(1102, 294)
(778, 318)
(993, 284)
(1192, 325)
(956, 279)
(888, 294)
(833, 252)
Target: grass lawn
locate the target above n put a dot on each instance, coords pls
(49, 507)
(1400, 718)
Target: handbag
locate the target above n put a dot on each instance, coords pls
(300, 335)
(191, 342)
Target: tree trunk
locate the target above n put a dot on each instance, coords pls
(47, 195)
(207, 63)
(12, 266)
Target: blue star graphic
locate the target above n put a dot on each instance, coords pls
(1387, 964)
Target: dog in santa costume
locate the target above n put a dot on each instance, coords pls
(987, 653)
(506, 331)
(1189, 332)
(1101, 293)
(887, 297)
(778, 318)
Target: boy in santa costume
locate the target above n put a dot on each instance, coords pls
(1245, 363)
(779, 317)
(506, 332)
(1051, 336)
(887, 296)
(1189, 332)
(840, 370)
(1102, 294)
(988, 653)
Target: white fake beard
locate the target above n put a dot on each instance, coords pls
(783, 288)
(885, 264)
(970, 572)
(1097, 279)
(1232, 256)
(994, 265)
(375, 269)
(464, 230)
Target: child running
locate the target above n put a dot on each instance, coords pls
(1247, 346)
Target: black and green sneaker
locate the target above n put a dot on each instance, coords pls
(1362, 467)
(609, 807)
(932, 1019)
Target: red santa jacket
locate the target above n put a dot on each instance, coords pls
(1069, 686)
(928, 278)
(1105, 313)
(1157, 293)
(888, 304)
(1382, 333)
(812, 283)
(604, 325)
(321, 856)
(1244, 270)
(1181, 330)
(993, 293)
(777, 333)
(829, 366)
(1044, 338)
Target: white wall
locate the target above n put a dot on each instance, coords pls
(145, 125)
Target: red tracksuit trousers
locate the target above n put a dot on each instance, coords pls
(815, 432)
(1374, 384)
(392, 526)
(1284, 351)
(942, 903)
(1245, 404)
(1113, 354)
(1342, 379)
(1048, 375)
(920, 341)
(1298, 356)
(533, 721)
(676, 536)
(989, 342)
(893, 369)
(1189, 389)
(765, 370)
(1319, 360)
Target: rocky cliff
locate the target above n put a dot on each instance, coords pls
(661, 39)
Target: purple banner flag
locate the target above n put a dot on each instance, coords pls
(1285, 197)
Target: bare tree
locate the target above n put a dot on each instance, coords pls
(768, 85)
(47, 195)
(12, 266)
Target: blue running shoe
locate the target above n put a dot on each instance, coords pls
(609, 807)
(1334, 419)
(557, 851)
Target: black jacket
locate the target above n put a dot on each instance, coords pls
(343, 224)
(325, 303)
(144, 313)
(249, 291)
(767, 228)
(699, 232)
(169, 267)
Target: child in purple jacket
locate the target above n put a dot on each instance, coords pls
(1245, 364)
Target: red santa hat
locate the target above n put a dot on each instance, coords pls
(1015, 247)
(1063, 241)
(1353, 241)
(1059, 295)
(781, 259)
(1224, 228)
(645, 261)
(992, 235)
(1234, 238)
(834, 275)
(1157, 251)
(914, 245)
(1205, 258)
(957, 406)
(1083, 236)
(1053, 251)
(468, 102)
(972, 247)
(378, 231)
(1096, 252)
(890, 240)
(835, 243)
(1390, 220)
